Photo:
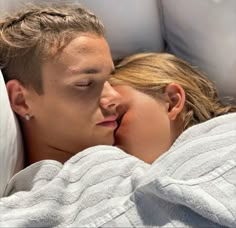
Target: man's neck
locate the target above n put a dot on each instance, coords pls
(37, 150)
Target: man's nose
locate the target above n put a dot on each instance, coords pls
(110, 98)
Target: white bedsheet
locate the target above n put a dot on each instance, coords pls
(193, 184)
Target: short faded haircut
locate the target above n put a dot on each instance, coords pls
(38, 32)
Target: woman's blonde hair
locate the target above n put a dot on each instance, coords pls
(37, 33)
(152, 72)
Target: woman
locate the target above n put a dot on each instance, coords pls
(162, 97)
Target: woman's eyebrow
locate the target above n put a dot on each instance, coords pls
(112, 72)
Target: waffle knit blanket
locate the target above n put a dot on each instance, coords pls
(193, 184)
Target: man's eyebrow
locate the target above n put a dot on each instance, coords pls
(90, 71)
(84, 71)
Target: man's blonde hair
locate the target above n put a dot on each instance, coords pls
(152, 72)
(37, 33)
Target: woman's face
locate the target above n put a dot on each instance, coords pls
(146, 130)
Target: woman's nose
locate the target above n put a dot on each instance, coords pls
(110, 98)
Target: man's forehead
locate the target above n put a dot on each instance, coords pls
(85, 53)
(87, 43)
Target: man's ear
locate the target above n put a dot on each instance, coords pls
(175, 95)
(16, 94)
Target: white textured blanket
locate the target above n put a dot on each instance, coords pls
(193, 184)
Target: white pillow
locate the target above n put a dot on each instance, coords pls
(11, 145)
(204, 34)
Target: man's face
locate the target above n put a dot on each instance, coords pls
(77, 108)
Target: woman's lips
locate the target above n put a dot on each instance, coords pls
(118, 130)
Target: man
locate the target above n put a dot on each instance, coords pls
(56, 63)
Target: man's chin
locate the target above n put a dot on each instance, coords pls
(109, 141)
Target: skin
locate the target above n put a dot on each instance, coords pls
(78, 107)
(148, 127)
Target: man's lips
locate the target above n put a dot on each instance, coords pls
(109, 122)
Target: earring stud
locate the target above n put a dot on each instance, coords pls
(27, 117)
